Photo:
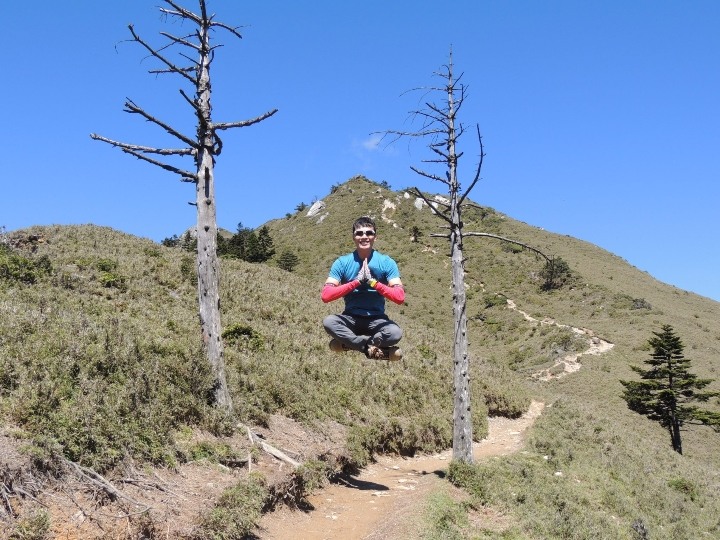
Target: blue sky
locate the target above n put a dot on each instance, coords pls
(600, 119)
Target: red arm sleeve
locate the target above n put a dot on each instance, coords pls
(332, 292)
(396, 293)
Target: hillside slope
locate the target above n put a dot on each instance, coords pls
(99, 364)
(615, 461)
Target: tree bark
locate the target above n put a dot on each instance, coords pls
(462, 417)
(208, 264)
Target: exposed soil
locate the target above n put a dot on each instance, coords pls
(386, 500)
(387, 497)
(146, 502)
(569, 363)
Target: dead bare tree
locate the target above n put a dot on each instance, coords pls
(439, 123)
(203, 148)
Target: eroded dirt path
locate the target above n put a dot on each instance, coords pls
(380, 501)
(569, 363)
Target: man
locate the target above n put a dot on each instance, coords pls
(364, 278)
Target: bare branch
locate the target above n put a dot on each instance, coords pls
(187, 176)
(197, 19)
(436, 148)
(428, 175)
(161, 71)
(479, 167)
(430, 203)
(137, 151)
(267, 447)
(181, 41)
(489, 235)
(442, 116)
(182, 12)
(192, 61)
(133, 108)
(160, 57)
(244, 123)
(192, 103)
(98, 480)
(231, 29)
(145, 149)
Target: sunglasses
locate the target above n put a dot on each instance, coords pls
(360, 234)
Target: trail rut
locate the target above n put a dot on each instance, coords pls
(382, 501)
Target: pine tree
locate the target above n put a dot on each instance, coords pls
(267, 248)
(288, 261)
(668, 387)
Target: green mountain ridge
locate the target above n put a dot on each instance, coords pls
(99, 359)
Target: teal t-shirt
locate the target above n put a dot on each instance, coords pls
(364, 300)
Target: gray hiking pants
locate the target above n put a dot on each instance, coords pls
(355, 331)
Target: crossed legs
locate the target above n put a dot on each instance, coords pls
(356, 332)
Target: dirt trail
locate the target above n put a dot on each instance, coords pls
(379, 502)
(569, 363)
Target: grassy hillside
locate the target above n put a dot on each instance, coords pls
(99, 361)
(618, 473)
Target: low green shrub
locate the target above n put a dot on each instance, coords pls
(35, 526)
(686, 487)
(106, 265)
(15, 268)
(445, 518)
(236, 334)
(112, 280)
(312, 475)
(236, 512)
(491, 300)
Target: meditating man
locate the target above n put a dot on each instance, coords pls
(364, 279)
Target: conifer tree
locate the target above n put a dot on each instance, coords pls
(267, 247)
(288, 261)
(668, 388)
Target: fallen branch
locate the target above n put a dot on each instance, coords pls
(268, 448)
(100, 481)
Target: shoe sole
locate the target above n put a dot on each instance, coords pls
(391, 354)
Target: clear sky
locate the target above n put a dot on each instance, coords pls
(600, 118)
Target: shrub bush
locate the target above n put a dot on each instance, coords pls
(19, 269)
(236, 512)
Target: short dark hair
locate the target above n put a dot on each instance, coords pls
(364, 221)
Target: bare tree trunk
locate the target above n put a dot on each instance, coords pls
(208, 265)
(462, 417)
(204, 148)
(439, 126)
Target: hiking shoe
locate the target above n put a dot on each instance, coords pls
(383, 353)
(336, 346)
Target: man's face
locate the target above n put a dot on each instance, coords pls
(364, 237)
